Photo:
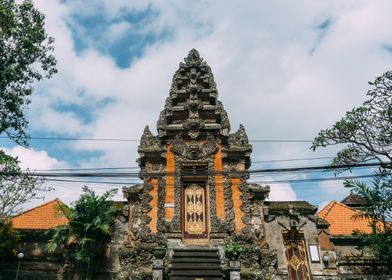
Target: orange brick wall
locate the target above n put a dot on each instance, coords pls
(324, 241)
(170, 168)
(153, 214)
(237, 202)
(220, 198)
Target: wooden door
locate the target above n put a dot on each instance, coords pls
(194, 212)
(297, 261)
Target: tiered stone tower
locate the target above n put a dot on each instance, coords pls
(194, 172)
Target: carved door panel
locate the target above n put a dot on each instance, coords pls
(297, 262)
(194, 212)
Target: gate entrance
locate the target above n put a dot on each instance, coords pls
(194, 212)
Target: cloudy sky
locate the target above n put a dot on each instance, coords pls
(284, 69)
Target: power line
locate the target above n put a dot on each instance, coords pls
(315, 179)
(200, 172)
(138, 140)
(292, 159)
(221, 185)
(137, 167)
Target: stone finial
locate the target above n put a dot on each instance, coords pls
(239, 138)
(148, 140)
(193, 58)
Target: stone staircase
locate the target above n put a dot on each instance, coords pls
(195, 264)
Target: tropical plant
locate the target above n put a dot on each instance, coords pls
(9, 238)
(234, 250)
(378, 210)
(91, 217)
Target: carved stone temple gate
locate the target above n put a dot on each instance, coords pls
(194, 172)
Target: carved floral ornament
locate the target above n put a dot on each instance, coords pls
(194, 150)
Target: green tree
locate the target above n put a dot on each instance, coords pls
(16, 187)
(378, 210)
(9, 238)
(366, 132)
(91, 217)
(25, 57)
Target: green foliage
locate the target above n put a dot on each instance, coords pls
(9, 238)
(24, 58)
(233, 250)
(366, 130)
(367, 133)
(16, 187)
(91, 217)
(378, 210)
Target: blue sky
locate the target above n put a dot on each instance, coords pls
(284, 69)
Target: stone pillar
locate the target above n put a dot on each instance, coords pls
(157, 269)
(235, 268)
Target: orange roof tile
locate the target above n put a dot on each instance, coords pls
(342, 220)
(41, 217)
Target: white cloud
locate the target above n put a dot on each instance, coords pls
(260, 53)
(282, 192)
(334, 189)
(33, 159)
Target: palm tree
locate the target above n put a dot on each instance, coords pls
(91, 217)
(378, 210)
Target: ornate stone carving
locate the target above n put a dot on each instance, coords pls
(245, 207)
(136, 221)
(217, 225)
(176, 221)
(239, 138)
(194, 150)
(229, 210)
(148, 140)
(161, 205)
(193, 58)
(193, 124)
(161, 124)
(145, 218)
(257, 219)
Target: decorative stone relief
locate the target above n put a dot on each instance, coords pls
(217, 225)
(148, 140)
(257, 220)
(245, 207)
(145, 231)
(239, 138)
(136, 221)
(161, 204)
(194, 150)
(229, 205)
(176, 222)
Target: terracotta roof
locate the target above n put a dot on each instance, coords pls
(353, 199)
(41, 217)
(341, 219)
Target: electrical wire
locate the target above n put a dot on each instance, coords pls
(138, 140)
(309, 180)
(202, 172)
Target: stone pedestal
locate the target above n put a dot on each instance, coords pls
(157, 269)
(235, 268)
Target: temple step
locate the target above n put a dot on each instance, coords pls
(195, 264)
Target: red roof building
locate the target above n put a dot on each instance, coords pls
(42, 217)
(343, 219)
